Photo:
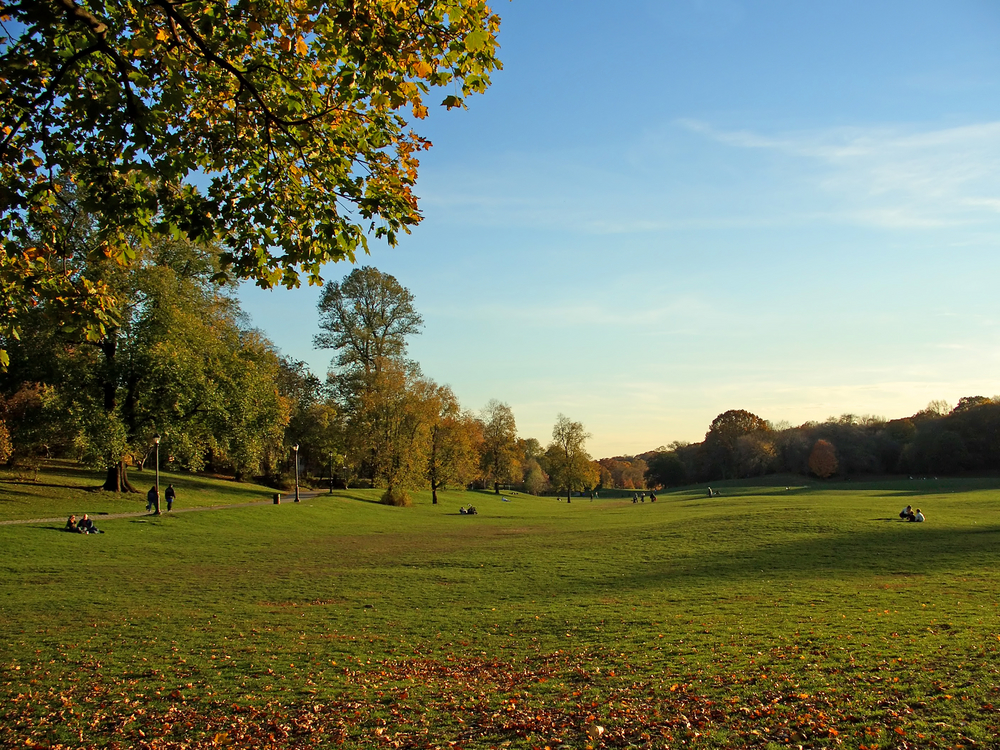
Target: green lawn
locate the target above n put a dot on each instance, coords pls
(64, 488)
(767, 617)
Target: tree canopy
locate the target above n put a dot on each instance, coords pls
(278, 128)
(366, 318)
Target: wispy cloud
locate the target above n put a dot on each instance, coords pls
(894, 177)
(693, 175)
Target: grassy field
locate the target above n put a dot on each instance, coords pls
(769, 617)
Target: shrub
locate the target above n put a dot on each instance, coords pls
(397, 497)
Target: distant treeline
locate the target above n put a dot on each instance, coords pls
(739, 444)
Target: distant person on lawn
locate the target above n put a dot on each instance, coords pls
(906, 513)
(170, 495)
(87, 526)
(918, 517)
(71, 524)
(151, 498)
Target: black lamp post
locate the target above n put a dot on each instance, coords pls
(156, 441)
(296, 449)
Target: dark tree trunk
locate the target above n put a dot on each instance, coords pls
(117, 479)
(434, 493)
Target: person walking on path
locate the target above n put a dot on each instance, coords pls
(151, 498)
(170, 495)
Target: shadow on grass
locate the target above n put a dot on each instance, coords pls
(910, 549)
(30, 483)
(901, 488)
(10, 495)
(362, 496)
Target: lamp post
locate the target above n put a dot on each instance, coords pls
(156, 441)
(331, 473)
(296, 449)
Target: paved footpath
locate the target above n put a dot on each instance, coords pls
(303, 495)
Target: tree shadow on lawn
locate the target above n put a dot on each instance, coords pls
(917, 550)
(196, 486)
(18, 496)
(792, 485)
(30, 483)
(371, 499)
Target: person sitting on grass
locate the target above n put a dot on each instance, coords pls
(918, 516)
(71, 524)
(87, 526)
(463, 511)
(906, 513)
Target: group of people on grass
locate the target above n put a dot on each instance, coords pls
(641, 498)
(470, 511)
(84, 526)
(908, 514)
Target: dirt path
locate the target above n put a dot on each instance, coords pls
(303, 495)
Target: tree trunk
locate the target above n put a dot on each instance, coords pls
(117, 479)
(434, 493)
(117, 476)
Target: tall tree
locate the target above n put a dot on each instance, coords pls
(389, 425)
(296, 110)
(455, 437)
(250, 415)
(723, 434)
(569, 463)
(499, 461)
(366, 318)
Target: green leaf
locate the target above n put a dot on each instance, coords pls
(477, 40)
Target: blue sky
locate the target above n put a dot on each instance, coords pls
(664, 210)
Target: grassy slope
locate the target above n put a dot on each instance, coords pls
(765, 618)
(64, 488)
